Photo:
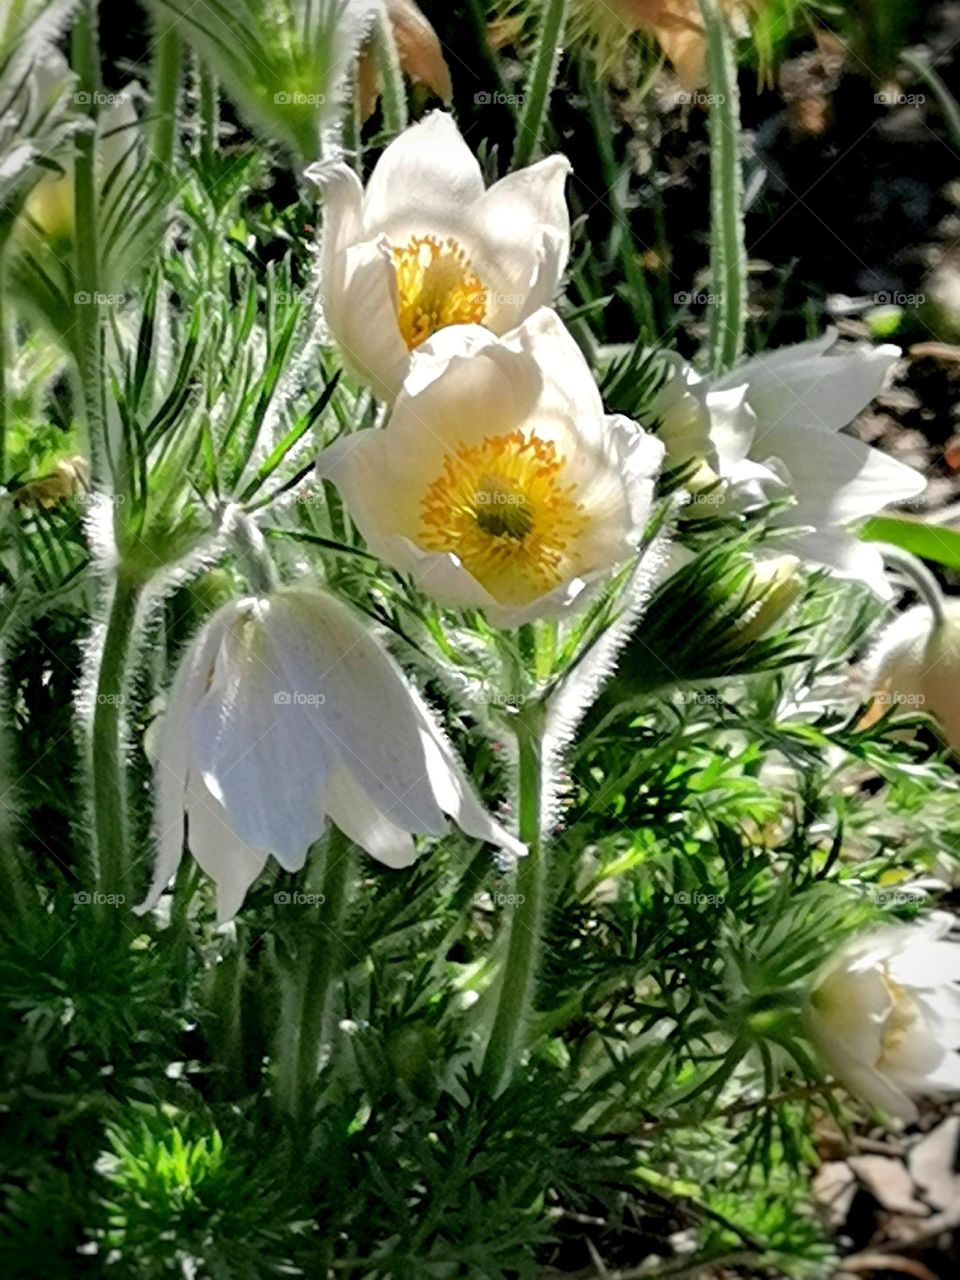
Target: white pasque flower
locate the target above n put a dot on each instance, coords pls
(426, 246)
(287, 711)
(772, 428)
(498, 482)
(885, 1013)
(916, 666)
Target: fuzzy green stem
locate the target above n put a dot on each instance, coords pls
(209, 115)
(110, 816)
(728, 254)
(519, 975)
(537, 92)
(4, 352)
(920, 578)
(166, 92)
(89, 341)
(320, 969)
(393, 95)
(257, 563)
(640, 299)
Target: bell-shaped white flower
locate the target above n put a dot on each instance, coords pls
(287, 711)
(885, 1013)
(498, 482)
(772, 428)
(916, 666)
(426, 246)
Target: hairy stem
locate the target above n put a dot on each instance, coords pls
(519, 975)
(393, 95)
(537, 92)
(110, 816)
(318, 973)
(209, 114)
(89, 341)
(166, 92)
(4, 352)
(728, 255)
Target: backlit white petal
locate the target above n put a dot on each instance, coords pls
(257, 747)
(174, 749)
(424, 182)
(454, 793)
(836, 478)
(523, 224)
(349, 806)
(367, 715)
(230, 863)
(813, 389)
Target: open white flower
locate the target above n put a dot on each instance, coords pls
(772, 428)
(426, 246)
(498, 482)
(885, 1013)
(916, 666)
(286, 711)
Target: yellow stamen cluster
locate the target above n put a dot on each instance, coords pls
(501, 507)
(900, 1019)
(435, 287)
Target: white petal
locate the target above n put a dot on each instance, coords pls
(845, 554)
(424, 182)
(258, 749)
(454, 793)
(733, 426)
(523, 224)
(367, 717)
(813, 389)
(360, 309)
(174, 748)
(619, 497)
(863, 1080)
(224, 857)
(349, 806)
(836, 478)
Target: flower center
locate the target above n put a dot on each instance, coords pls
(435, 287)
(501, 508)
(900, 1020)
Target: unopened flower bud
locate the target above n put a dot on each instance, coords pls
(916, 666)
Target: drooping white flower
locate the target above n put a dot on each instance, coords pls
(287, 711)
(885, 1012)
(772, 428)
(426, 246)
(498, 481)
(916, 666)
